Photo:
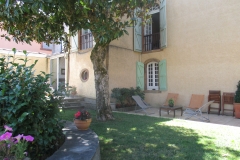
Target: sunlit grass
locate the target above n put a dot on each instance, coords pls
(148, 138)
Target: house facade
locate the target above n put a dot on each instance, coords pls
(190, 47)
(35, 51)
(51, 58)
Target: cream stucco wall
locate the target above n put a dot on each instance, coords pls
(122, 67)
(78, 62)
(41, 66)
(202, 53)
(203, 48)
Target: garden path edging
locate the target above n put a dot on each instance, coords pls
(78, 145)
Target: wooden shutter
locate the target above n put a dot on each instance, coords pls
(138, 35)
(163, 75)
(74, 42)
(140, 75)
(163, 24)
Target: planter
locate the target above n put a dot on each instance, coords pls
(237, 110)
(82, 124)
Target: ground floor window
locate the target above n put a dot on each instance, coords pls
(152, 76)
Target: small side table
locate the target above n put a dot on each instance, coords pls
(171, 109)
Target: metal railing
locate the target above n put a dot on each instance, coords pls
(151, 42)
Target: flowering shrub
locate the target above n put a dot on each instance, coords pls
(30, 105)
(12, 148)
(82, 115)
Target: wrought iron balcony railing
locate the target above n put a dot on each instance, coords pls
(151, 42)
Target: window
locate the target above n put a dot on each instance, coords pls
(84, 75)
(154, 34)
(47, 46)
(152, 76)
(86, 39)
(151, 38)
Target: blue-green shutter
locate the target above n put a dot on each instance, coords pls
(74, 42)
(163, 75)
(140, 75)
(163, 24)
(138, 35)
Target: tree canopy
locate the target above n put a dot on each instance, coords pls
(46, 21)
(27, 20)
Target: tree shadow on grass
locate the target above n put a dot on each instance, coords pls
(143, 137)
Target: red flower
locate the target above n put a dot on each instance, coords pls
(78, 114)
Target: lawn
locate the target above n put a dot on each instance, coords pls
(137, 137)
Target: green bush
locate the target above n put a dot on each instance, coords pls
(237, 94)
(123, 96)
(29, 105)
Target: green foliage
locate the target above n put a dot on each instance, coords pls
(28, 105)
(137, 137)
(45, 20)
(123, 96)
(171, 102)
(237, 94)
(66, 90)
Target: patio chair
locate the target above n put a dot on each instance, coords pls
(173, 96)
(196, 107)
(141, 103)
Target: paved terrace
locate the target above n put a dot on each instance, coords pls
(214, 117)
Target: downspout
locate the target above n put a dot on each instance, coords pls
(67, 64)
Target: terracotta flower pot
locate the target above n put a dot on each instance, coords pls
(82, 124)
(237, 110)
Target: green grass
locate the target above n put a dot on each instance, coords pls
(136, 137)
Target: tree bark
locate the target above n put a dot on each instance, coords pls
(98, 58)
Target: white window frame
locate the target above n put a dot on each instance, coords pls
(45, 46)
(152, 76)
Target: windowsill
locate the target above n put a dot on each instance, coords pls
(152, 91)
(45, 49)
(82, 51)
(155, 50)
(85, 50)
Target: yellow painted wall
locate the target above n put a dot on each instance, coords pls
(203, 48)
(42, 64)
(202, 53)
(122, 67)
(78, 62)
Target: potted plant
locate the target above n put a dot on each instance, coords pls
(123, 96)
(82, 119)
(237, 101)
(171, 102)
(73, 90)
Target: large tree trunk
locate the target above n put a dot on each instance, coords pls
(98, 57)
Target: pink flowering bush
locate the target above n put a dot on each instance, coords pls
(13, 148)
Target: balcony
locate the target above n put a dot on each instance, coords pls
(151, 42)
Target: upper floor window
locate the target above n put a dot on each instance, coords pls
(47, 46)
(152, 76)
(154, 34)
(151, 38)
(86, 39)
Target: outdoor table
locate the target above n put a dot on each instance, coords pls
(174, 108)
